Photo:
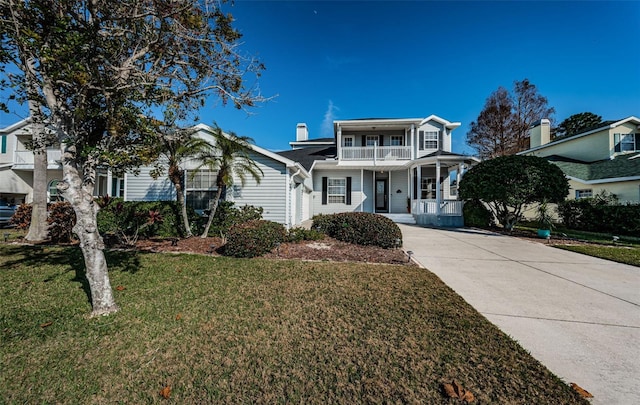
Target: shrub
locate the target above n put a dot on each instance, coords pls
(61, 220)
(22, 217)
(476, 214)
(299, 234)
(130, 220)
(227, 215)
(254, 238)
(361, 228)
(599, 215)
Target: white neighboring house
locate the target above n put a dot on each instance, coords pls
(283, 192)
(397, 167)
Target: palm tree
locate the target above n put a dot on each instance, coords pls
(230, 157)
(175, 146)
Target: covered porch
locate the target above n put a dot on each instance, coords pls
(434, 194)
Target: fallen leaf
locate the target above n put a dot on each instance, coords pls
(46, 324)
(455, 390)
(178, 317)
(165, 392)
(581, 391)
(121, 287)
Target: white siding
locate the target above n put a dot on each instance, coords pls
(270, 194)
(142, 187)
(356, 193)
(398, 200)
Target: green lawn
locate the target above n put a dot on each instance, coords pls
(622, 254)
(250, 331)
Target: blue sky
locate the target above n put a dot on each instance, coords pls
(341, 60)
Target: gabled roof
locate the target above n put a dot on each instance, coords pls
(619, 169)
(272, 155)
(16, 126)
(381, 122)
(601, 127)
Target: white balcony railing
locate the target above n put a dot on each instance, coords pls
(447, 207)
(376, 153)
(25, 157)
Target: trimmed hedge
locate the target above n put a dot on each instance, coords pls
(227, 215)
(300, 234)
(61, 220)
(361, 228)
(254, 238)
(596, 215)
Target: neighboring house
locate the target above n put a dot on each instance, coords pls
(283, 192)
(388, 166)
(606, 158)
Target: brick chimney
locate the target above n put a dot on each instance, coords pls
(302, 132)
(540, 133)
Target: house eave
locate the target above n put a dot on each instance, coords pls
(604, 181)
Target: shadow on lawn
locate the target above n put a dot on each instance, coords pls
(35, 255)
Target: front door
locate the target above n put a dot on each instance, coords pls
(382, 195)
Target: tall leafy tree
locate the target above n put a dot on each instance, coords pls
(577, 123)
(100, 68)
(502, 128)
(230, 157)
(507, 184)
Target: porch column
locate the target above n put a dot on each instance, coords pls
(438, 186)
(110, 183)
(414, 142)
(458, 177)
(390, 193)
(409, 190)
(419, 189)
(361, 190)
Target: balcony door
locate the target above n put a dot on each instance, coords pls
(382, 195)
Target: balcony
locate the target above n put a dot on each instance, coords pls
(376, 153)
(24, 158)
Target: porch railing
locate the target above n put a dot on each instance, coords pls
(25, 157)
(447, 207)
(380, 153)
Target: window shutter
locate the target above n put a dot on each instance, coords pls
(637, 138)
(616, 143)
(421, 141)
(325, 188)
(415, 183)
(348, 197)
(4, 144)
(381, 140)
(364, 140)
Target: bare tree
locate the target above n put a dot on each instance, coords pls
(502, 128)
(104, 66)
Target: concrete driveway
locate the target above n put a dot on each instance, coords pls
(578, 315)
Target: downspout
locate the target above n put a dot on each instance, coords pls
(290, 215)
(287, 203)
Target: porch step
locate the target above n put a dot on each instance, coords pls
(401, 218)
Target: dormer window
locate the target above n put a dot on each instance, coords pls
(626, 142)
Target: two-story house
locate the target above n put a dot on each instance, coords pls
(388, 166)
(606, 158)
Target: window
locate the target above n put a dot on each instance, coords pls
(52, 190)
(626, 142)
(396, 140)
(428, 188)
(201, 189)
(431, 139)
(583, 194)
(372, 140)
(336, 191)
(117, 187)
(348, 141)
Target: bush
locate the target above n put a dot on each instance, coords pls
(22, 217)
(61, 220)
(599, 215)
(299, 234)
(227, 215)
(476, 214)
(254, 238)
(130, 220)
(361, 228)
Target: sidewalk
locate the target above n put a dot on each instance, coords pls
(578, 315)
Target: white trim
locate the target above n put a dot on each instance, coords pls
(361, 190)
(13, 127)
(603, 181)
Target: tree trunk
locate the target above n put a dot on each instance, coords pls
(79, 192)
(205, 233)
(183, 208)
(38, 228)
